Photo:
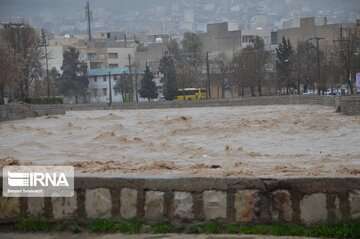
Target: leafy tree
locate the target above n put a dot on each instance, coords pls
(167, 67)
(73, 81)
(124, 86)
(148, 87)
(54, 75)
(284, 62)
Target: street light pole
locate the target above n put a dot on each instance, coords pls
(208, 75)
(110, 90)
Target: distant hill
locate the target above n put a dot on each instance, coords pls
(112, 13)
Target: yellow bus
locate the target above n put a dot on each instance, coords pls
(191, 94)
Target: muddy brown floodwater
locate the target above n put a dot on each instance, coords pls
(276, 141)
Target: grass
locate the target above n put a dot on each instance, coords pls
(112, 226)
(350, 230)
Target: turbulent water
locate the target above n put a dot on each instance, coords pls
(229, 141)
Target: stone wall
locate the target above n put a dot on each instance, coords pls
(233, 200)
(21, 111)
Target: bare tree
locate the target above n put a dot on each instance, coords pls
(8, 69)
(304, 70)
(249, 67)
(25, 42)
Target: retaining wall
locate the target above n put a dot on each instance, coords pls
(266, 100)
(350, 105)
(21, 111)
(232, 200)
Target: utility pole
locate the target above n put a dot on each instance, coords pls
(134, 84)
(318, 39)
(45, 44)
(110, 90)
(347, 55)
(88, 14)
(208, 76)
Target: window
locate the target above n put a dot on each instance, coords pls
(91, 56)
(95, 65)
(113, 65)
(104, 91)
(113, 55)
(95, 92)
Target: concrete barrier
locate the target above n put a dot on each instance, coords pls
(350, 105)
(245, 101)
(233, 200)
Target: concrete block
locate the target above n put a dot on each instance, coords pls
(128, 203)
(313, 209)
(64, 207)
(354, 199)
(9, 208)
(215, 204)
(35, 206)
(281, 209)
(154, 205)
(246, 205)
(98, 203)
(183, 205)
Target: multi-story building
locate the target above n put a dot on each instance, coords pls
(102, 84)
(308, 29)
(218, 39)
(107, 54)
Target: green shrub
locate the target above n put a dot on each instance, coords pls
(33, 225)
(44, 101)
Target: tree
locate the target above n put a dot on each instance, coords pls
(332, 71)
(167, 67)
(25, 42)
(53, 78)
(248, 67)
(73, 81)
(305, 66)
(284, 62)
(148, 87)
(8, 69)
(124, 86)
(191, 56)
(173, 48)
(192, 47)
(261, 58)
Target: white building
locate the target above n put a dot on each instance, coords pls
(99, 85)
